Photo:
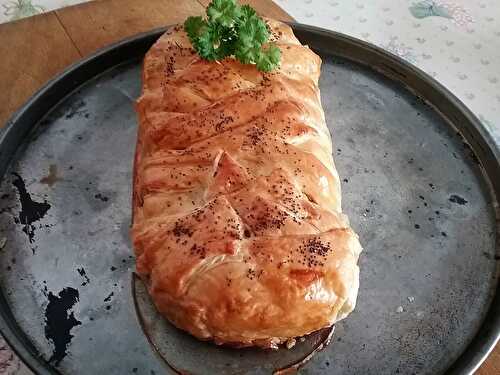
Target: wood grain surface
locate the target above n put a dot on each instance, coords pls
(33, 50)
(96, 24)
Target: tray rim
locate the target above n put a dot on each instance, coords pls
(392, 67)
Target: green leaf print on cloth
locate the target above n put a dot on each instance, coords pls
(438, 8)
(21, 8)
(428, 8)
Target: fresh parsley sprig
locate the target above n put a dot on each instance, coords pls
(233, 30)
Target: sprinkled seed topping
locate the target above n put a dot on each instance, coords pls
(270, 218)
(314, 252)
(181, 229)
(251, 274)
(197, 250)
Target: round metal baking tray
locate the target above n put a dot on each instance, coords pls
(421, 180)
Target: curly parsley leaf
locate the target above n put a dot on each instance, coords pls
(253, 27)
(194, 26)
(233, 30)
(223, 12)
(268, 58)
(205, 46)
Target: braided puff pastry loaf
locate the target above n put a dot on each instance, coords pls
(237, 223)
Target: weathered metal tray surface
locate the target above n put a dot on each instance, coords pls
(415, 192)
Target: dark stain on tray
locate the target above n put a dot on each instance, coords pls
(108, 298)
(31, 211)
(45, 289)
(83, 274)
(101, 197)
(457, 199)
(52, 177)
(59, 322)
(76, 109)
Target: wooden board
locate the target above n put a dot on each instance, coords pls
(33, 50)
(492, 365)
(96, 24)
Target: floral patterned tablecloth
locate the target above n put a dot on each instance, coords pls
(456, 42)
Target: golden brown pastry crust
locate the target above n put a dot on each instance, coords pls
(237, 223)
